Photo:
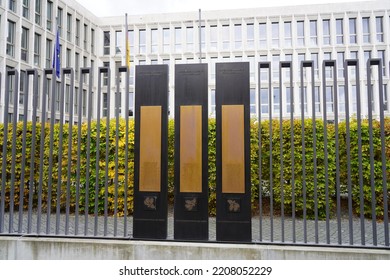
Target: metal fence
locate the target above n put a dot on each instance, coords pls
(321, 182)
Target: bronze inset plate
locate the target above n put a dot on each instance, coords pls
(191, 149)
(233, 149)
(150, 149)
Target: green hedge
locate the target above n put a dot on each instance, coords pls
(265, 148)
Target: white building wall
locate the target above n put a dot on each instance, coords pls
(210, 54)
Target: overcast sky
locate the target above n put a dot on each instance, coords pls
(135, 7)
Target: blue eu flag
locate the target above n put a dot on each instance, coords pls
(56, 55)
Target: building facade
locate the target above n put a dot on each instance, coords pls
(359, 30)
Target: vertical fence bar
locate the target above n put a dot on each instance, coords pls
(60, 149)
(360, 154)
(283, 64)
(303, 155)
(24, 145)
(102, 70)
(51, 145)
(42, 150)
(271, 192)
(372, 161)
(348, 63)
(294, 235)
(126, 70)
(262, 65)
(327, 63)
(14, 132)
(31, 182)
(383, 154)
(88, 167)
(78, 171)
(336, 126)
(107, 152)
(117, 97)
(4, 152)
(70, 144)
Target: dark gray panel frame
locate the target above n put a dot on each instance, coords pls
(232, 88)
(151, 89)
(191, 86)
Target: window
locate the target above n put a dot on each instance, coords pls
(275, 34)
(38, 11)
(69, 27)
(275, 66)
(177, 39)
(190, 38)
(287, 57)
(67, 98)
(78, 34)
(105, 75)
(339, 31)
(366, 30)
(352, 31)
(105, 104)
(48, 53)
(287, 34)
(314, 57)
(57, 97)
(340, 64)
(329, 99)
(76, 66)
(385, 98)
(59, 20)
(85, 37)
(203, 37)
(142, 41)
(341, 98)
(92, 41)
(328, 70)
(12, 5)
(250, 36)
(11, 88)
(154, 37)
(22, 87)
(76, 102)
(213, 37)
(379, 29)
(252, 96)
(68, 57)
(84, 105)
(304, 103)
(288, 100)
(252, 67)
(37, 49)
(26, 9)
(118, 42)
(264, 102)
(317, 101)
(276, 93)
(263, 35)
(166, 40)
(225, 37)
(212, 102)
(49, 15)
(11, 39)
(326, 32)
(300, 33)
(237, 36)
(131, 41)
(353, 55)
(313, 32)
(106, 45)
(301, 57)
(382, 56)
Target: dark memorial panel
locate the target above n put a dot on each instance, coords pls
(191, 159)
(151, 152)
(233, 152)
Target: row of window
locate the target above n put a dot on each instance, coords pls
(87, 41)
(287, 34)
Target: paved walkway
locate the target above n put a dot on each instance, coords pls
(115, 228)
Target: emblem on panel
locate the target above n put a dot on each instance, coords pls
(150, 203)
(191, 204)
(233, 205)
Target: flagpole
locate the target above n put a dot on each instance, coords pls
(127, 47)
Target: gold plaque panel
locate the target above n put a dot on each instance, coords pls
(233, 149)
(191, 149)
(150, 149)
